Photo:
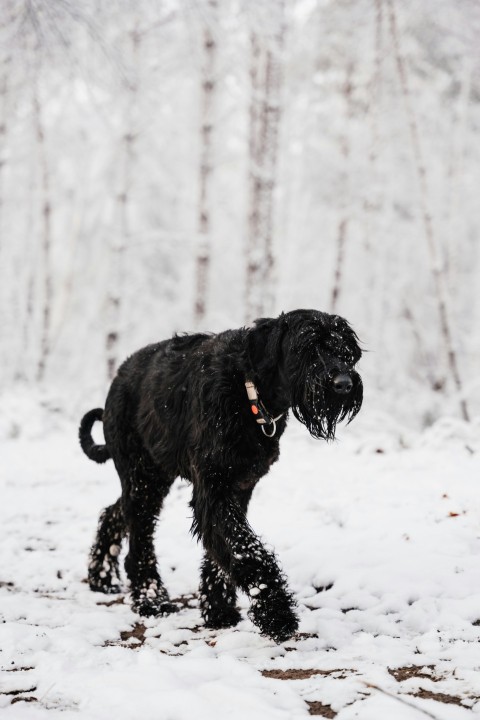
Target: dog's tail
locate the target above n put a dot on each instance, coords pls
(99, 453)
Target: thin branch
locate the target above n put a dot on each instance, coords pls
(401, 700)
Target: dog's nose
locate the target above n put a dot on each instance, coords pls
(342, 383)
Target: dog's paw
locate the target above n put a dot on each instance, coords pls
(153, 607)
(274, 616)
(108, 589)
(224, 617)
(106, 584)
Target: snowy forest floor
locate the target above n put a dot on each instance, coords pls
(381, 545)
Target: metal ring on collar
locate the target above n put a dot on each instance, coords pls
(274, 430)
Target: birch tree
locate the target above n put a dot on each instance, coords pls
(46, 232)
(430, 237)
(342, 228)
(5, 68)
(33, 37)
(207, 132)
(119, 241)
(266, 75)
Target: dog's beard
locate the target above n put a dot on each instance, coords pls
(320, 408)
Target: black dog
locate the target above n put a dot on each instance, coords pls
(212, 409)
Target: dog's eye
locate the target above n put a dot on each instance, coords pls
(335, 344)
(336, 340)
(347, 355)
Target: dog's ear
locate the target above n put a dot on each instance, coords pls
(264, 342)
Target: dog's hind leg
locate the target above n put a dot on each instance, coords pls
(103, 571)
(142, 501)
(144, 488)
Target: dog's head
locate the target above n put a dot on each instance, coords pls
(313, 356)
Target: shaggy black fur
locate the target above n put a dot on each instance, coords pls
(180, 407)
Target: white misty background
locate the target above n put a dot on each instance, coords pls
(192, 164)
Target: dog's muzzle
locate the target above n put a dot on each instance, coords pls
(342, 383)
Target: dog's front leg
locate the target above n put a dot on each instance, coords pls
(217, 595)
(229, 539)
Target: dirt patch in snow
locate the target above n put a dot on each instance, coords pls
(302, 674)
(137, 633)
(439, 697)
(414, 671)
(135, 636)
(318, 708)
(28, 698)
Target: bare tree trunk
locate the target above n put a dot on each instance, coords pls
(31, 249)
(3, 134)
(5, 310)
(437, 272)
(343, 221)
(265, 115)
(371, 205)
(459, 139)
(46, 235)
(379, 255)
(119, 244)
(206, 161)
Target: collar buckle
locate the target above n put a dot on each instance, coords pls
(262, 417)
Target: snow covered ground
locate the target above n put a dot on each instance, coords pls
(379, 535)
